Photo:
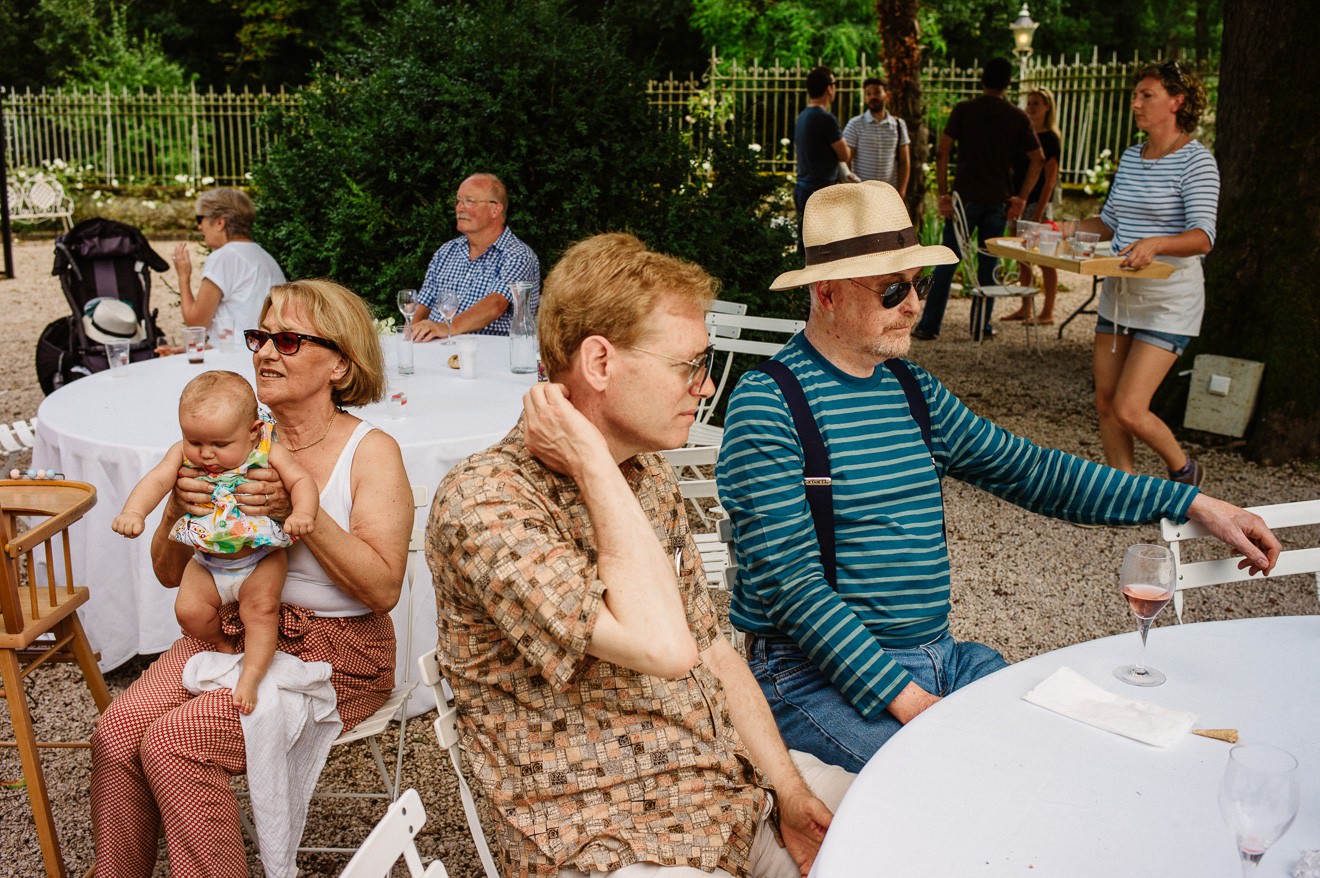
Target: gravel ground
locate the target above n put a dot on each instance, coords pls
(1024, 585)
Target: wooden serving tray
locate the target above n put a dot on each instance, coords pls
(1097, 266)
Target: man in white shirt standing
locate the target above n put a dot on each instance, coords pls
(878, 140)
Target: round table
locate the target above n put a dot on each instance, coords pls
(109, 429)
(985, 783)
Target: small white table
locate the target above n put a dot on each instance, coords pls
(109, 430)
(985, 783)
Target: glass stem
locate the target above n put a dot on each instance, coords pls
(1250, 860)
(1143, 628)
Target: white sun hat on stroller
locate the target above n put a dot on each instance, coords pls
(111, 320)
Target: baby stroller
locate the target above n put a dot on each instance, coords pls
(97, 259)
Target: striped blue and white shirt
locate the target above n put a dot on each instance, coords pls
(505, 261)
(1167, 196)
(875, 144)
(892, 560)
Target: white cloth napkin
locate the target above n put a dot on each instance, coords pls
(1069, 693)
(287, 738)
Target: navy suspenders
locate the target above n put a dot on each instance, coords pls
(816, 476)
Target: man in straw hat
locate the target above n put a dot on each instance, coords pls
(843, 568)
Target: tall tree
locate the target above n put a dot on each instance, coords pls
(901, 38)
(1260, 280)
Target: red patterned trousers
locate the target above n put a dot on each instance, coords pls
(161, 756)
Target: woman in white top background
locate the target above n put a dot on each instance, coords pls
(238, 273)
(1161, 206)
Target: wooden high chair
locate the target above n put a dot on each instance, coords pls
(41, 622)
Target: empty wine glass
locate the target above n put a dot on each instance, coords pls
(1258, 798)
(407, 305)
(447, 307)
(1146, 579)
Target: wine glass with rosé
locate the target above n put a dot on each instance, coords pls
(1146, 579)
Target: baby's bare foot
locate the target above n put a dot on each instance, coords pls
(245, 697)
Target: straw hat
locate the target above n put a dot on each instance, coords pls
(111, 320)
(858, 230)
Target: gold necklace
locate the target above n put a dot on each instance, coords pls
(324, 433)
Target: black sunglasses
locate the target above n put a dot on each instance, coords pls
(287, 343)
(894, 295)
(1171, 71)
(199, 219)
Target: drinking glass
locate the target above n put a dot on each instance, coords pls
(407, 305)
(1146, 580)
(447, 306)
(1258, 798)
(117, 355)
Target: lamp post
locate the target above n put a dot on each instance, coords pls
(1023, 30)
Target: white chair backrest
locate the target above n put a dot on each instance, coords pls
(720, 306)
(725, 335)
(446, 732)
(966, 248)
(394, 837)
(1194, 574)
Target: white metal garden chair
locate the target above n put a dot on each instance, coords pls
(1195, 574)
(395, 836)
(1002, 289)
(726, 337)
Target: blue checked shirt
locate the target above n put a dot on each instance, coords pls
(505, 261)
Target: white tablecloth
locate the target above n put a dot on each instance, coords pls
(985, 783)
(109, 430)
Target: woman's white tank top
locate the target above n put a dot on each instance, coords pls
(307, 584)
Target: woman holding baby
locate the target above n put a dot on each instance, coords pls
(163, 757)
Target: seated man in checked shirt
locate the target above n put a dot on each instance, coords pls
(479, 265)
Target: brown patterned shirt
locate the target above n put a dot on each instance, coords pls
(587, 764)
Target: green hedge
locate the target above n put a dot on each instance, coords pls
(358, 184)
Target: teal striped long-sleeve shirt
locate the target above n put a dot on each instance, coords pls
(891, 556)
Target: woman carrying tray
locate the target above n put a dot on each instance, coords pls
(1161, 205)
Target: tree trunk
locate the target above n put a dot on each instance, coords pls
(1261, 301)
(897, 24)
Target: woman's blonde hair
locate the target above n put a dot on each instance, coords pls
(233, 205)
(608, 285)
(340, 315)
(1048, 97)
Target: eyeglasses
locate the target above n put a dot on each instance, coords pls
(896, 293)
(199, 219)
(698, 367)
(287, 343)
(465, 201)
(1171, 71)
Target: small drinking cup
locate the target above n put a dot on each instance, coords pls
(226, 339)
(1084, 244)
(194, 341)
(1049, 242)
(116, 354)
(1030, 233)
(467, 358)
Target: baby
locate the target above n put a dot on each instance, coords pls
(235, 555)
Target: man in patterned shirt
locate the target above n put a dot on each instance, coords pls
(879, 141)
(479, 265)
(604, 715)
(849, 633)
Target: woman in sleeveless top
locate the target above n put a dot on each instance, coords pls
(162, 757)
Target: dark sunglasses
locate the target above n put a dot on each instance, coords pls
(1171, 71)
(894, 295)
(287, 343)
(199, 219)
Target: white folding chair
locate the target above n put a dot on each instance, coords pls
(446, 732)
(395, 708)
(970, 256)
(1195, 574)
(692, 481)
(18, 436)
(394, 837)
(726, 336)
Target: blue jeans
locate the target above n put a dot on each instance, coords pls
(812, 716)
(987, 221)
